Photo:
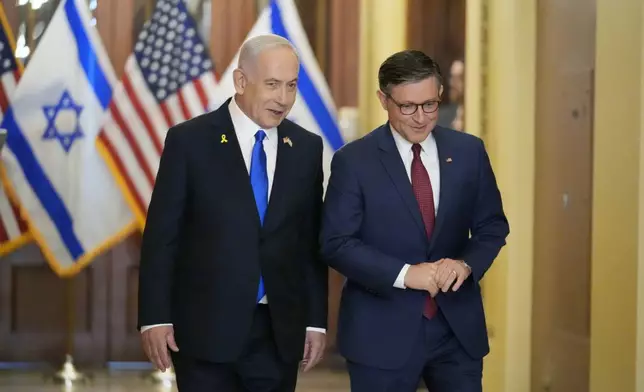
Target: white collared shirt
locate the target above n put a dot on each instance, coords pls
(429, 157)
(245, 129)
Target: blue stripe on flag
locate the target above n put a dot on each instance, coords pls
(41, 186)
(87, 57)
(307, 89)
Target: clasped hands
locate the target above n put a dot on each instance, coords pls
(437, 276)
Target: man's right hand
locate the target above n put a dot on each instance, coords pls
(156, 341)
(422, 277)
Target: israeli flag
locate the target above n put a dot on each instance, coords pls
(71, 202)
(314, 108)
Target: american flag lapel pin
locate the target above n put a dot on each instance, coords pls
(448, 160)
(287, 140)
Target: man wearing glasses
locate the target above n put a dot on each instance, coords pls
(400, 207)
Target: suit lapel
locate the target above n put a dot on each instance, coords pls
(447, 186)
(227, 150)
(283, 180)
(393, 163)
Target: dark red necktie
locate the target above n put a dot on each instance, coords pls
(422, 187)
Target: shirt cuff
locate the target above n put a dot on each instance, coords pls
(146, 327)
(313, 329)
(400, 280)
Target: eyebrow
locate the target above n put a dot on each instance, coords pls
(279, 81)
(421, 103)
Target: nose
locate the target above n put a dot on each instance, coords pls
(419, 115)
(281, 96)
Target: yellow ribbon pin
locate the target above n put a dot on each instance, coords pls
(223, 139)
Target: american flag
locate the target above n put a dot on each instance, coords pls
(13, 230)
(169, 78)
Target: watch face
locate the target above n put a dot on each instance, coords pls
(3, 137)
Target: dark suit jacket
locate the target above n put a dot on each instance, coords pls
(372, 226)
(203, 246)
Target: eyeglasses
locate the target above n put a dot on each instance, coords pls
(410, 108)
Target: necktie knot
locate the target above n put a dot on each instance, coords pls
(260, 136)
(416, 150)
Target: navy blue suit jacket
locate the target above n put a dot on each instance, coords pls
(372, 226)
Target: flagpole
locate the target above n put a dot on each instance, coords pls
(68, 375)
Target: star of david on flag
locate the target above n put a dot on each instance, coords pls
(73, 207)
(62, 130)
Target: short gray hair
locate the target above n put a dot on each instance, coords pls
(253, 47)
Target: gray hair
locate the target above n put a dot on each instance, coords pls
(253, 47)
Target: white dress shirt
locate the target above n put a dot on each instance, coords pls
(245, 129)
(429, 157)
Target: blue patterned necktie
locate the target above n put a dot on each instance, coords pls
(259, 182)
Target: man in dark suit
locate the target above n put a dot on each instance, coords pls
(400, 205)
(230, 277)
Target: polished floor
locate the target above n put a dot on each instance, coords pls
(318, 380)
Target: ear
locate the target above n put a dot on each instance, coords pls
(440, 91)
(382, 98)
(240, 81)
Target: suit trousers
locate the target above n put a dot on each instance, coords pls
(437, 357)
(259, 368)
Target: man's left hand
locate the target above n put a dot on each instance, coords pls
(450, 271)
(313, 349)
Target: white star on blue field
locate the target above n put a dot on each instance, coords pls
(70, 132)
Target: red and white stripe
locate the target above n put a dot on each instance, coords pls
(12, 228)
(134, 132)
